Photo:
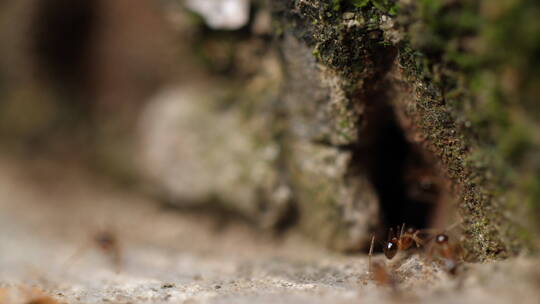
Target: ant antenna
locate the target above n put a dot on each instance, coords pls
(75, 256)
(454, 225)
(402, 230)
(436, 231)
(370, 254)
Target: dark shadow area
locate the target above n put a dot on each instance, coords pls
(395, 169)
(406, 180)
(61, 34)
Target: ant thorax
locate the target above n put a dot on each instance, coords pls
(401, 242)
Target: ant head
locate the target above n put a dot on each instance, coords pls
(105, 240)
(391, 248)
(441, 238)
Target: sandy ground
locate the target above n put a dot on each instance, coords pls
(48, 222)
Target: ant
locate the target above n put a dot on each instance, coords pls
(107, 242)
(379, 272)
(405, 240)
(449, 253)
(402, 242)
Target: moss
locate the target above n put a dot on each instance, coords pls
(531, 186)
(474, 91)
(457, 50)
(336, 5)
(386, 6)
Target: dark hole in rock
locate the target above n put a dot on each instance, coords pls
(404, 181)
(406, 178)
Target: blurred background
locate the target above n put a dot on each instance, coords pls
(137, 92)
(79, 78)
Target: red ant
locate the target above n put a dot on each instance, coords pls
(378, 272)
(405, 240)
(447, 252)
(402, 242)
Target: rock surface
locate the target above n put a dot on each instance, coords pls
(46, 250)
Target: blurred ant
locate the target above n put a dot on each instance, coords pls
(450, 254)
(378, 272)
(30, 295)
(42, 300)
(382, 276)
(106, 241)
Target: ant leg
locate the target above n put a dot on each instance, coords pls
(417, 240)
(459, 252)
(430, 252)
(75, 256)
(448, 228)
(370, 254)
